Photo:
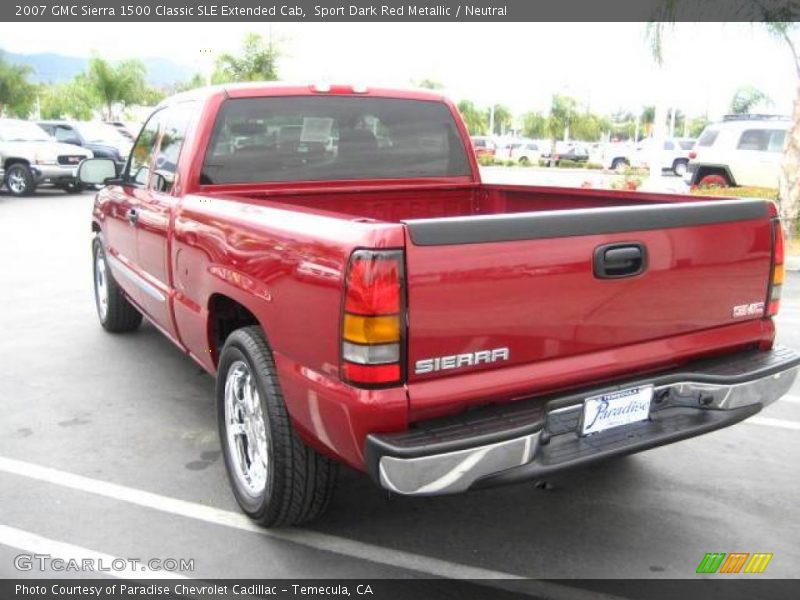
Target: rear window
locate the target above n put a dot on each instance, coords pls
(708, 138)
(332, 138)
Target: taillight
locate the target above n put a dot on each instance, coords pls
(692, 155)
(372, 321)
(778, 269)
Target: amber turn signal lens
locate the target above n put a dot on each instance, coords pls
(778, 275)
(371, 330)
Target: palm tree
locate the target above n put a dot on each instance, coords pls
(746, 99)
(123, 83)
(774, 20)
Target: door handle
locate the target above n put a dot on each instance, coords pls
(613, 261)
(133, 216)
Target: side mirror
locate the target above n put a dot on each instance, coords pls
(97, 171)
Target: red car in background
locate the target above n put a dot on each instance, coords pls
(483, 146)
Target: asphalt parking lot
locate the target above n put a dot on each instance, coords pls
(108, 447)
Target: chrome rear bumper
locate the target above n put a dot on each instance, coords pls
(536, 437)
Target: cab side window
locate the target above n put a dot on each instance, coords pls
(143, 153)
(176, 121)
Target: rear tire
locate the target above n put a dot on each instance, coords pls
(116, 313)
(19, 180)
(524, 161)
(714, 180)
(276, 478)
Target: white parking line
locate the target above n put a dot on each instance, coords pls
(36, 544)
(235, 520)
(319, 541)
(779, 423)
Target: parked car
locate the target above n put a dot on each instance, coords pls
(525, 152)
(29, 158)
(674, 154)
(568, 151)
(102, 139)
(483, 146)
(382, 307)
(742, 150)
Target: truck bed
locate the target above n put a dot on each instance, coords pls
(492, 267)
(429, 202)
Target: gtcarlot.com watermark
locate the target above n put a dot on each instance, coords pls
(47, 562)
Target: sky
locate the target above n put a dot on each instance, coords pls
(606, 66)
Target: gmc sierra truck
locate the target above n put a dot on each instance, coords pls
(331, 255)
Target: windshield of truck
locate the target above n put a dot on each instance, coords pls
(22, 131)
(332, 138)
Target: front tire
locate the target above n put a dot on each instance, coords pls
(276, 478)
(619, 165)
(680, 167)
(116, 313)
(19, 180)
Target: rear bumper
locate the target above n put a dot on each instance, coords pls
(533, 438)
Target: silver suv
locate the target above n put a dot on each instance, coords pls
(29, 157)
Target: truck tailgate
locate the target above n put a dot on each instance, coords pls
(558, 284)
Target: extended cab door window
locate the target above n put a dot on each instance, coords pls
(176, 121)
(140, 163)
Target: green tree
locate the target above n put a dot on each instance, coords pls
(562, 113)
(123, 83)
(589, 127)
(151, 96)
(746, 98)
(475, 118)
(502, 119)
(257, 61)
(534, 125)
(430, 84)
(17, 94)
(776, 19)
(647, 120)
(73, 100)
(697, 125)
(196, 81)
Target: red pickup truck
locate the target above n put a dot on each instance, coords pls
(331, 255)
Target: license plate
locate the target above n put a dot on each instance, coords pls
(616, 409)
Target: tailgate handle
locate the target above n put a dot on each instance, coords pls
(613, 261)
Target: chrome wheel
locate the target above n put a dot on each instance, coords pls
(101, 285)
(246, 430)
(16, 181)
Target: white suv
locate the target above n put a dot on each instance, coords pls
(742, 150)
